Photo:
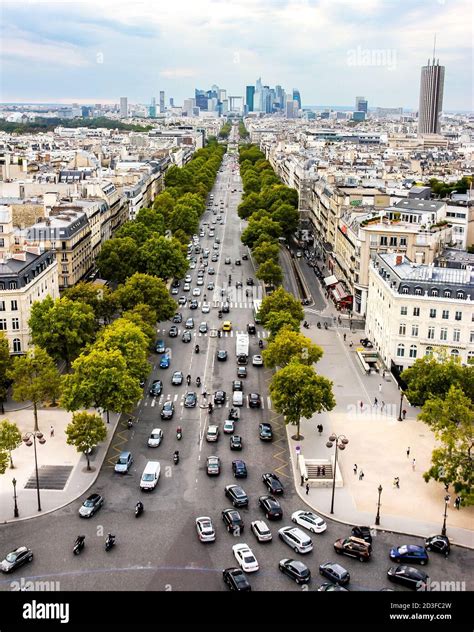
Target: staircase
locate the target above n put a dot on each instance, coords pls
(312, 471)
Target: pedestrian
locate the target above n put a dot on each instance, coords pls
(376, 401)
(322, 429)
(318, 471)
(457, 502)
(323, 470)
(307, 489)
(361, 475)
(345, 337)
(404, 413)
(204, 394)
(413, 464)
(408, 452)
(396, 482)
(350, 344)
(302, 480)
(361, 405)
(382, 406)
(355, 468)
(383, 374)
(380, 387)
(51, 431)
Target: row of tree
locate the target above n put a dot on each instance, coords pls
(442, 189)
(225, 130)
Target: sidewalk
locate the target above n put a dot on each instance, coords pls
(54, 454)
(378, 444)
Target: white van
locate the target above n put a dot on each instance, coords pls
(150, 475)
(237, 398)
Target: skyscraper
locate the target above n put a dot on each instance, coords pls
(162, 101)
(431, 98)
(249, 95)
(123, 107)
(361, 104)
(297, 97)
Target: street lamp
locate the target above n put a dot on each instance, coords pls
(401, 405)
(340, 443)
(377, 517)
(16, 512)
(446, 503)
(36, 434)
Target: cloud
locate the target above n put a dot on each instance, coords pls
(20, 47)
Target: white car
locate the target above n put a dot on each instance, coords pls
(187, 278)
(175, 290)
(205, 308)
(200, 281)
(229, 426)
(257, 360)
(197, 291)
(186, 287)
(245, 558)
(205, 529)
(261, 531)
(192, 265)
(309, 520)
(155, 438)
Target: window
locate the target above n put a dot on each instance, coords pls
(471, 337)
(2, 306)
(393, 241)
(413, 351)
(429, 351)
(2, 242)
(447, 293)
(400, 350)
(418, 291)
(458, 315)
(470, 357)
(454, 353)
(432, 313)
(15, 324)
(14, 306)
(414, 330)
(402, 329)
(431, 333)
(12, 285)
(3, 324)
(445, 314)
(460, 294)
(403, 241)
(405, 289)
(443, 334)
(434, 292)
(404, 311)
(416, 311)
(16, 345)
(383, 241)
(456, 335)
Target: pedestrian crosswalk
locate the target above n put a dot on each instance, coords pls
(178, 400)
(225, 334)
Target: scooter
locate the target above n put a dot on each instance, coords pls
(305, 325)
(109, 542)
(319, 325)
(79, 544)
(176, 457)
(138, 509)
(233, 414)
(325, 325)
(130, 423)
(196, 349)
(179, 433)
(260, 344)
(198, 382)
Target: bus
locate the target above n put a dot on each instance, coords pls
(257, 304)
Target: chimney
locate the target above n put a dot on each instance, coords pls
(399, 260)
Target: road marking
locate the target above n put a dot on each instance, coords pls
(153, 402)
(269, 402)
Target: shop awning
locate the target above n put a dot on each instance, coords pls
(340, 294)
(330, 280)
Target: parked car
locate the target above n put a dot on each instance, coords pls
(296, 570)
(413, 578)
(91, 505)
(213, 465)
(409, 553)
(353, 547)
(261, 531)
(155, 438)
(232, 520)
(365, 342)
(309, 520)
(336, 573)
(438, 544)
(236, 580)
(205, 529)
(271, 507)
(13, 560)
(272, 483)
(362, 532)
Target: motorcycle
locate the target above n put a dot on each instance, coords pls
(79, 544)
(179, 433)
(325, 325)
(196, 349)
(109, 542)
(138, 509)
(210, 408)
(319, 325)
(234, 414)
(260, 344)
(219, 314)
(306, 325)
(176, 457)
(198, 382)
(130, 423)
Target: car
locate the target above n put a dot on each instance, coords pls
(241, 371)
(237, 262)
(192, 265)
(165, 362)
(250, 281)
(239, 469)
(203, 328)
(362, 532)
(227, 325)
(182, 300)
(236, 580)
(176, 283)
(212, 433)
(187, 278)
(227, 261)
(174, 291)
(236, 495)
(299, 254)
(438, 544)
(205, 308)
(251, 329)
(272, 483)
(334, 572)
(201, 233)
(255, 400)
(177, 378)
(186, 287)
(228, 426)
(205, 529)
(210, 285)
(199, 282)
(215, 257)
(156, 388)
(245, 558)
(178, 318)
(124, 463)
(220, 398)
(173, 332)
(353, 547)
(271, 507)
(237, 385)
(215, 246)
(261, 531)
(222, 355)
(167, 410)
(155, 438)
(233, 521)
(213, 465)
(409, 576)
(160, 346)
(296, 570)
(91, 505)
(265, 432)
(197, 291)
(329, 587)
(189, 323)
(365, 342)
(186, 336)
(238, 285)
(211, 271)
(193, 304)
(409, 553)
(207, 252)
(13, 560)
(236, 442)
(309, 520)
(296, 539)
(245, 257)
(257, 360)
(200, 274)
(190, 400)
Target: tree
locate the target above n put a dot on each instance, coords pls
(10, 438)
(132, 343)
(118, 259)
(281, 300)
(184, 218)
(270, 273)
(266, 251)
(144, 317)
(163, 258)
(164, 202)
(297, 391)
(274, 321)
(451, 418)
(288, 217)
(143, 288)
(3, 461)
(432, 376)
(257, 228)
(85, 431)
(139, 232)
(151, 219)
(83, 292)
(35, 378)
(248, 206)
(288, 345)
(62, 327)
(5, 364)
(100, 379)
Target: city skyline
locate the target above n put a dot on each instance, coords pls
(78, 57)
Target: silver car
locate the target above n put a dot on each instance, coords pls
(296, 539)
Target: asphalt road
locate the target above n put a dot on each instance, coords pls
(160, 550)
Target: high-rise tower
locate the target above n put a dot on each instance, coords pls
(431, 97)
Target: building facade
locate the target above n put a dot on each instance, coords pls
(431, 98)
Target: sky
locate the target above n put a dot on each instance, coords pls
(95, 51)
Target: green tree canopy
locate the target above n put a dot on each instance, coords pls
(288, 217)
(184, 218)
(163, 257)
(288, 345)
(135, 230)
(118, 259)
(275, 321)
(3, 461)
(248, 206)
(266, 251)
(270, 273)
(433, 376)
(132, 343)
(144, 317)
(257, 228)
(281, 300)
(151, 219)
(143, 288)
(10, 438)
(85, 431)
